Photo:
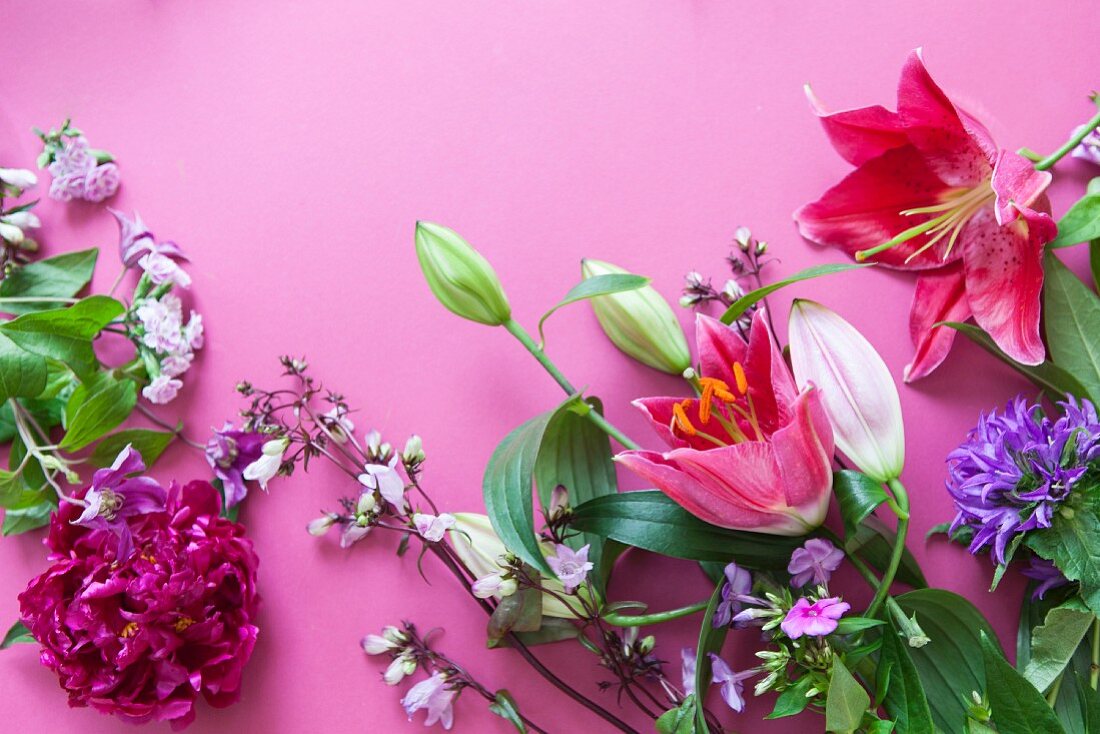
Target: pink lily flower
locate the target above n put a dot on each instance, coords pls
(932, 192)
(752, 452)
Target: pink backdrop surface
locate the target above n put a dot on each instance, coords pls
(290, 146)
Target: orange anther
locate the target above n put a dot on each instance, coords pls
(680, 419)
(739, 375)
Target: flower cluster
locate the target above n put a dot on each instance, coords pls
(745, 263)
(143, 635)
(169, 342)
(1017, 467)
(79, 171)
(15, 222)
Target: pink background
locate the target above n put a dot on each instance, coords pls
(290, 146)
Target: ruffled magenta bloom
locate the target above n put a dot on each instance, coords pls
(143, 638)
(752, 452)
(229, 452)
(932, 192)
(815, 620)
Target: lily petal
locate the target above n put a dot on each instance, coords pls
(860, 134)
(804, 452)
(940, 296)
(1004, 279)
(1017, 185)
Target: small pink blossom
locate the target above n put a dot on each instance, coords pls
(570, 566)
(163, 389)
(434, 696)
(815, 620)
(101, 182)
(815, 561)
(432, 527)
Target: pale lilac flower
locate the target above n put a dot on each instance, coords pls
(163, 389)
(385, 479)
(162, 269)
(493, 585)
(731, 683)
(337, 422)
(815, 561)
(1089, 148)
(19, 178)
(433, 696)
(193, 331)
(175, 365)
(135, 240)
(229, 451)
(570, 566)
(738, 584)
(815, 620)
(353, 533)
(115, 496)
(432, 527)
(264, 469)
(687, 670)
(161, 320)
(101, 182)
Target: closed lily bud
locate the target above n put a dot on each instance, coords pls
(462, 280)
(859, 395)
(640, 323)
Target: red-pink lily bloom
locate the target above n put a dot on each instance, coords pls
(752, 452)
(932, 192)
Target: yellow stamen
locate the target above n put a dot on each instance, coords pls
(183, 623)
(129, 630)
(739, 375)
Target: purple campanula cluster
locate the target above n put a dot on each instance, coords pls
(1017, 466)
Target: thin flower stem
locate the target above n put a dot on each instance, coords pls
(29, 299)
(1074, 141)
(1094, 669)
(529, 657)
(1052, 696)
(644, 620)
(175, 430)
(602, 423)
(902, 499)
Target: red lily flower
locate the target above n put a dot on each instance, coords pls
(932, 192)
(751, 453)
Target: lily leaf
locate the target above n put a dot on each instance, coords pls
(597, 285)
(745, 302)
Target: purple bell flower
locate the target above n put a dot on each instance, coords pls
(115, 496)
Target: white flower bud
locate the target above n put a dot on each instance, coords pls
(377, 644)
(321, 525)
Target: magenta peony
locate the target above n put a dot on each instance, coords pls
(144, 637)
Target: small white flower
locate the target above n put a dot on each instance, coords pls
(267, 466)
(24, 220)
(494, 585)
(337, 421)
(432, 695)
(20, 178)
(377, 645)
(321, 525)
(353, 533)
(163, 269)
(10, 232)
(431, 527)
(366, 503)
(163, 389)
(400, 667)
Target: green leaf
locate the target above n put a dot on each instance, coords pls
(27, 519)
(1070, 543)
(1090, 704)
(858, 495)
(680, 720)
(597, 285)
(848, 625)
(98, 412)
(16, 635)
(1051, 378)
(742, 304)
(504, 706)
(520, 612)
(62, 276)
(710, 641)
(904, 700)
(553, 629)
(65, 334)
(874, 543)
(1080, 224)
(648, 519)
(150, 444)
(950, 666)
(1071, 313)
(507, 489)
(576, 454)
(1054, 642)
(1094, 263)
(846, 701)
(792, 700)
(1018, 708)
(22, 374)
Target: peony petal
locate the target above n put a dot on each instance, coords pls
(864, 210)
(1017, 185)
(940, 296)
(1004, 279)
(861, 134)
(956, 146)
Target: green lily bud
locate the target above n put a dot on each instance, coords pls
(462, 280)
(640, 323)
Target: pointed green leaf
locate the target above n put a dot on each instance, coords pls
(1071, 313)
(597, 285)
(905, 699)
(22, 374)
(742, 304)
(504, 706)
(1080, 224)
(28, 518)
(98, 412)
(858, 495)
(845, 702)
(1070, 543)
(62, 276)
(16, 635)
(1018, 708)
(150, 444)
(711, 639)
(65, 334)
(792, 700)
(1054, 642)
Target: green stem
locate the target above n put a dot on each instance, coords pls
(864, 570)
(902, 499)
(602, 423)
(1052, 696)
(644, 620)
(1094, 669)
(28, 299)
(1074, 141)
